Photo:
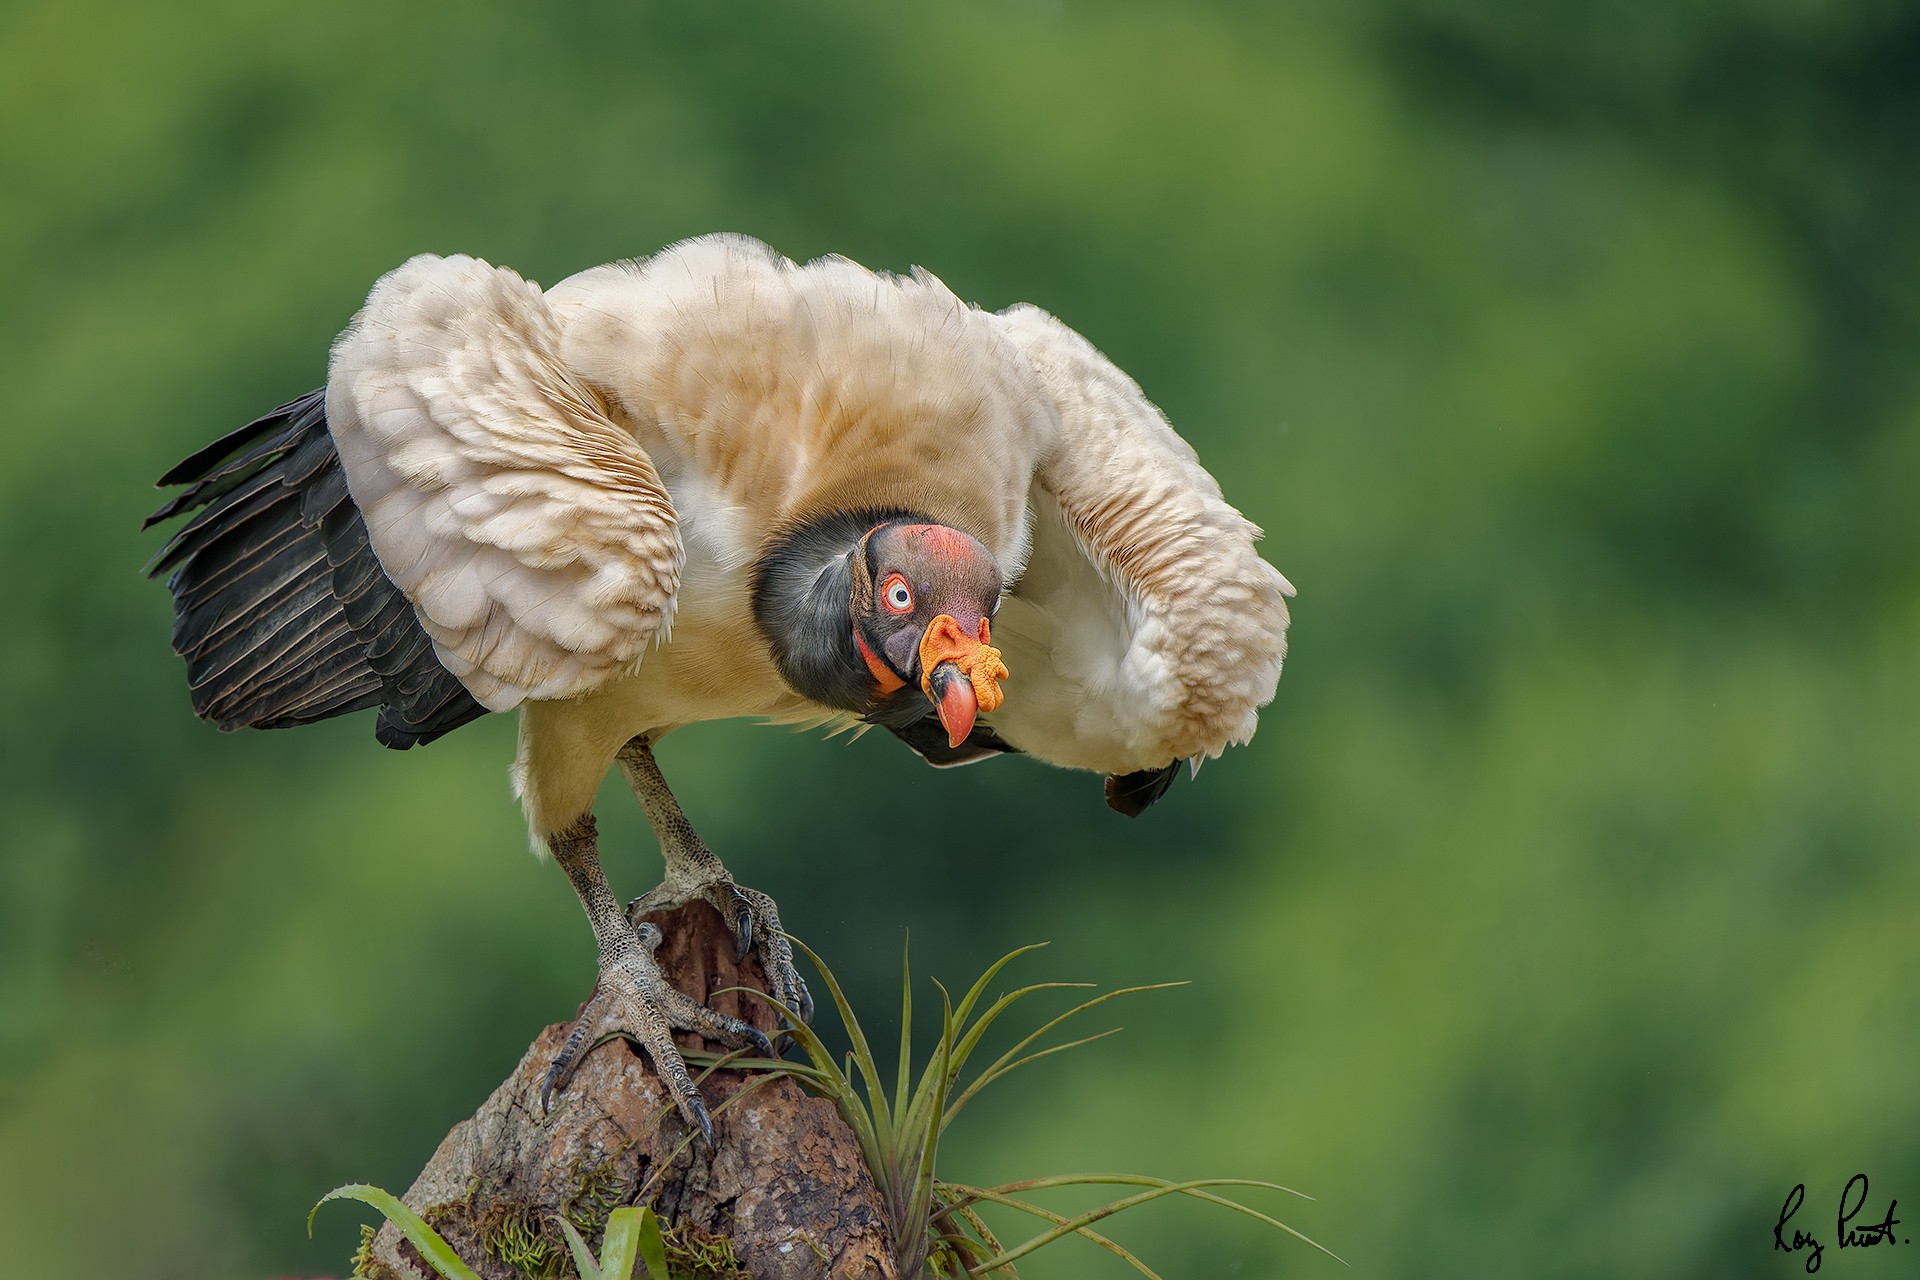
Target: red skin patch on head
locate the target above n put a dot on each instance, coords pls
(941, 540)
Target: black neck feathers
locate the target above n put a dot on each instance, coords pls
(803, 591)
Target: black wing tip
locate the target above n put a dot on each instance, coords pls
(196, 464)
(402, 736)
(927, 737)
(1133, 794)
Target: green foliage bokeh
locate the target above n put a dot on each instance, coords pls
(1558, 921)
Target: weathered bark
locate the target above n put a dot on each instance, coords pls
(784, 1194)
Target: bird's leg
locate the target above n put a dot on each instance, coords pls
(694, 872)
(633, 997)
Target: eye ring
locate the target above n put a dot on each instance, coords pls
(896, 594)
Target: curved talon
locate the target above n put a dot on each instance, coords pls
(665, 1059)
(741, 918)
(654, 899)
(785, 981)
(754, 921)
(806, 998)
(565, 1064)
(776, 953)
(633, 1000)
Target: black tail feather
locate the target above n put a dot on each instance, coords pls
(281, 611)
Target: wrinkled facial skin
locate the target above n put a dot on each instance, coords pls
(915, 573)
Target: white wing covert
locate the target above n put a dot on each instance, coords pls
(1154, 630)
(531, 534)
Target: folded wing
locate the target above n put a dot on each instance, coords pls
(1151, 628)
(531, 534)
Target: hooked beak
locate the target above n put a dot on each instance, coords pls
(960, 675)
(953, 697)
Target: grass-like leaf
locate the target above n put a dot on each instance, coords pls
(653, 1246)
(632, 1231)
(1157, 1189)
(985, 1247)
(1012, 1058)
(432, 1247)
(583, 1260)
(621, 1244)
(936, 1229)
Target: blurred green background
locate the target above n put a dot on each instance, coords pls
(1561, 917)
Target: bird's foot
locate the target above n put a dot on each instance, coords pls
(634, 1000)
(755, 922)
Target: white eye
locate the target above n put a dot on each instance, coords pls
(898, 597)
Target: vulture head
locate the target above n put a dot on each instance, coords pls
(922, 595)
(887, 616)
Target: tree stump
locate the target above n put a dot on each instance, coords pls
(783, 1195)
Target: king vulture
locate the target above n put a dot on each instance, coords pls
(714, 483)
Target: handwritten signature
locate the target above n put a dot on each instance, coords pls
(1850, 1236)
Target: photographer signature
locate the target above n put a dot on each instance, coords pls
(1850, 1235)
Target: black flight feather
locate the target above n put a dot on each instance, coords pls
(1132, 793)
(928, 738)
(281, 611)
